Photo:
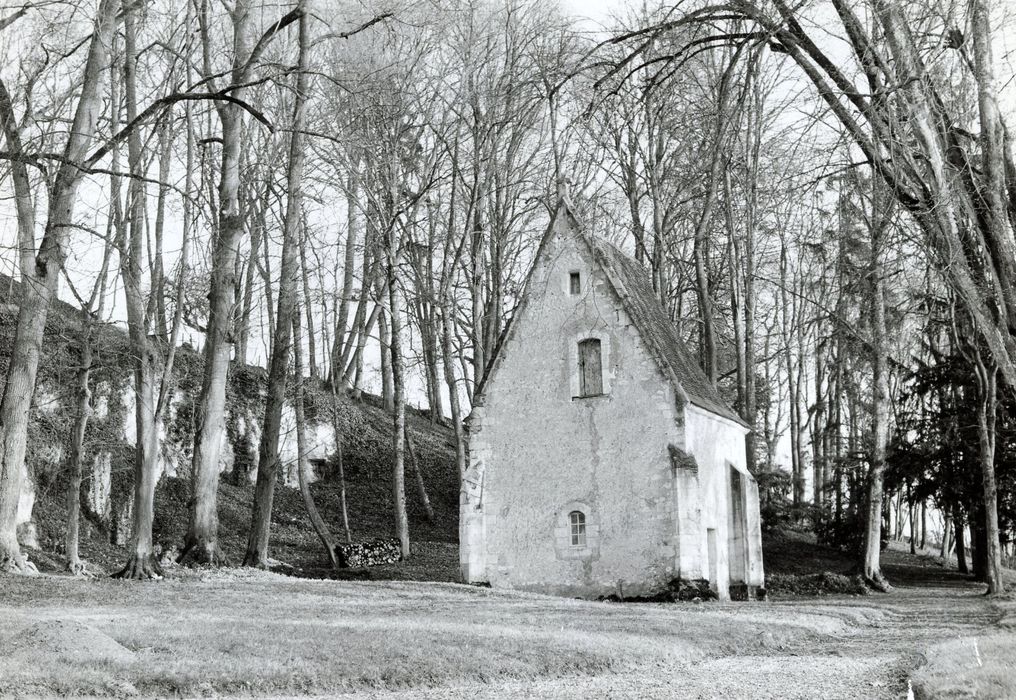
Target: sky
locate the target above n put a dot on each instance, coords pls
(597, 11)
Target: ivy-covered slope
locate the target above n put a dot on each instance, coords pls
(106, 492)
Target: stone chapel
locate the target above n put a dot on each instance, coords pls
(601, 459)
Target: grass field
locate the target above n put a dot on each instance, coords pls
(249, 632)
(246, 633)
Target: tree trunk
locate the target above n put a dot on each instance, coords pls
(339, 463)
(201, 544)
(339, 354)
(75, 453)
(303, 466)
(387, 379)
(399, 407)
(946, 543)
(987, 410)
(453, 387)
(157, 295)
(793, 377)
(880, 397)
(913, 527)
(961, 553)
(817, 430)
(308, 306)
(40, 288)
(924, 524)
(268, 454)
(420, 486)
(141, 561)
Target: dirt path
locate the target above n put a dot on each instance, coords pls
(886, 635)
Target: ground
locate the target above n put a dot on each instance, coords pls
(244, 633)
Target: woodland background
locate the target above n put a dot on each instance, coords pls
(351, 194)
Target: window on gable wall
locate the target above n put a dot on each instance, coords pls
(590, 368)
(574, 283)
(577, 520)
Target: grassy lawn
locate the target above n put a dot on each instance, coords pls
(246, 632)
(969, 667)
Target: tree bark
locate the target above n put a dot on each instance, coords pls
(268, 454)
(987, 410)
(399, 403)
(201, 544)
(308, 305)
(141, 561)
(421, 487)
(339, 353)
(946, 547)
(320, 527)
(880, 396)
(337, 429)
(39, 288)
(76, 451)
(959, 525)
(385, 331)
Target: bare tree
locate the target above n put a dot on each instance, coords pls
(201, 542)
(288, 294)
(39, 285)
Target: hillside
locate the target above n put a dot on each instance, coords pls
(367, 464)
(106, 492)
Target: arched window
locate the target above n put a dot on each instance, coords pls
(590, 368)
(577, 520)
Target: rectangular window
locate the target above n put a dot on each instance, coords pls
(578, 528)
(590, 368)
(575, 283)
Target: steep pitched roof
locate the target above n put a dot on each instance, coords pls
(631, 282)
(632, 285)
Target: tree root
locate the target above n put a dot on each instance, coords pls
(202, 553)
(253, 562)
(17, 564)
(80, 569)
(141, 568)
(879, 582)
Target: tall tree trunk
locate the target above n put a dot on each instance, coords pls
(793, 378)
(913, 524)
(959, 525)
(157, 296)
(880, 396)
(40, 287)
(308, 306)
(453, 389)
(201, 544)
(268, 453)
(421, 487)
(141, 562)
(303, 466)
(76, 452)
(91, 310)
(387, 378)
(946, 547)
(987, 409)
(818, 429)
(924, 524)
(399, 401)
(339, 352)
(337, 429)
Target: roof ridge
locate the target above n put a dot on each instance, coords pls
(630, 282)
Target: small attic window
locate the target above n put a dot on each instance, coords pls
(574, 283)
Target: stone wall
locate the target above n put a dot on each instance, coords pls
(538, 451)
(718, 447)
